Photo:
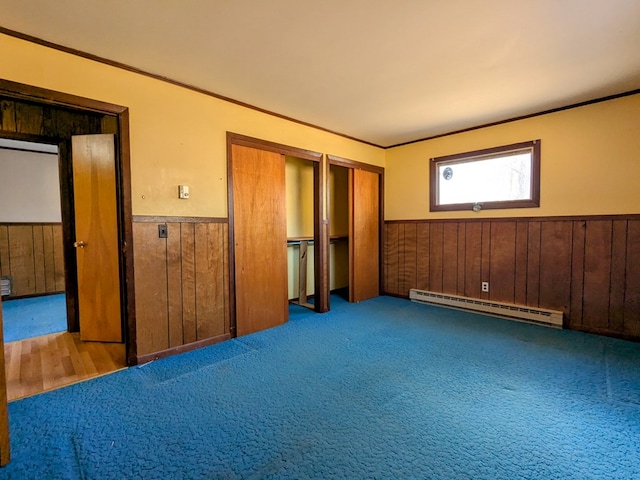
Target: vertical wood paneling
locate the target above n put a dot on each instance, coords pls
(410, 252)
(174, 284)
(555, 265)
(39, 259)
(588, 268)
(225, 276)
(435, 256)
(401, 257)
(460, 257)
(27, 254)
(618, 275)
(49, 259)
(58, 257)
(632, 287)
(205, 292)
(520, 277)
(151, 295)
(597, 274)
(577, 274)
(188, 282)
(8, 115)
(503, 262)
(533, 265)
(450, 258)
(216, 272)
(29, 118)
(422, 256)
(485, 259)
(5, 267)
(473, 260)
(391, 259)
(21, 259)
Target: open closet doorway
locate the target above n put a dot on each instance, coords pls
(301, 251)
(260, 246)
(356, 219)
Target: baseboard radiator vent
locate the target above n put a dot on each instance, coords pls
(541, 316)
(5, 286)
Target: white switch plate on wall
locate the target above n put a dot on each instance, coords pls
(183, 191)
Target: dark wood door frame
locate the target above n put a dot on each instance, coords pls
(321, 230)
(353, 164)
(114, 119)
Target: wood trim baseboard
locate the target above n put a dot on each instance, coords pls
(141, 359)
(169, 219)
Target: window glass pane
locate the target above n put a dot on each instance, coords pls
(499, 178)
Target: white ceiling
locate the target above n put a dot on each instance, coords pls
(386, 72)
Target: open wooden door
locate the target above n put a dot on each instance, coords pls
(260, 239)
(364, 235)
(96, 225)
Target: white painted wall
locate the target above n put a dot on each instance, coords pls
(29, 187)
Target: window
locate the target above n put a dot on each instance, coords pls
(501, 177)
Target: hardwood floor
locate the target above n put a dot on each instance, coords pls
(36, 365)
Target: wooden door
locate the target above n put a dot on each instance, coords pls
(96, 224)
(260, 239)
(364, 235)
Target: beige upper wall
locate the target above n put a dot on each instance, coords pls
(178, 136)
(590, 155)
(590, 163)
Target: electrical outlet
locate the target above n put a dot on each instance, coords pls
(485, 286)
(162, 231)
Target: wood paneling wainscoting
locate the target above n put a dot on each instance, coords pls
(588, 267)
(182, 284)
(31, 254)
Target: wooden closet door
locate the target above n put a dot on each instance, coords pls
(260, 239)
(364, 235)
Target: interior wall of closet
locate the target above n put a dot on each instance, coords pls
(339, 229)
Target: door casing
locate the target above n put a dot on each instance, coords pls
(111, 119)
(355, 293)
(321, 230)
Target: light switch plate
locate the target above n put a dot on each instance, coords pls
(183, 191)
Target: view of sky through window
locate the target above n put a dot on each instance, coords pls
(506, 177)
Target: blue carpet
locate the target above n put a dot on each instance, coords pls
(381, 389)
(33, 317)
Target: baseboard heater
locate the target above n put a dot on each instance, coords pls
(5, 286)
(541, 316)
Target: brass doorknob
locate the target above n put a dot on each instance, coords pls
(79, 244)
